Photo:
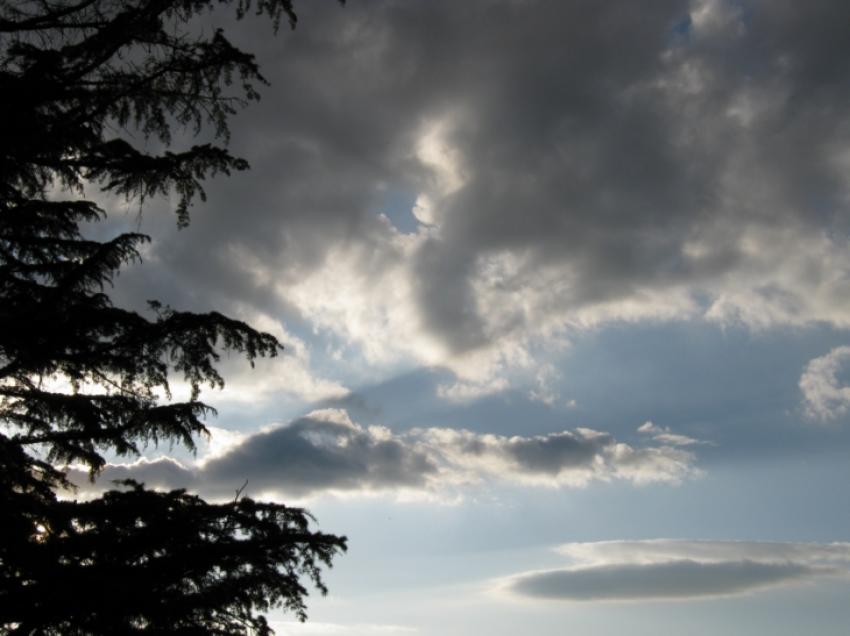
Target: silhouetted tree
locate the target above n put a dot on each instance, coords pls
(78, 78)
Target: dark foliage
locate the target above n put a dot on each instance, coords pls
(78, 78)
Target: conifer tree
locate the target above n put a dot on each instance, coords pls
(77, 77)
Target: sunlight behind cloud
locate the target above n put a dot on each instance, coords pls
(326, 452)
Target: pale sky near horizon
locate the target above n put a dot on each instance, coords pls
(565, 294)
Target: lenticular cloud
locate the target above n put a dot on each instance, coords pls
(665, 569)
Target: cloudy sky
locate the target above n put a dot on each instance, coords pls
(565, 294)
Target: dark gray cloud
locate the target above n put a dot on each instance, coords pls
(314, 454)
(658, 581)
(551, 453)
(327, 452)
(162, 473)
(570, 164)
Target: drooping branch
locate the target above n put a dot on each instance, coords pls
(81, 379)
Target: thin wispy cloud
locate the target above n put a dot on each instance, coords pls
(665, 435)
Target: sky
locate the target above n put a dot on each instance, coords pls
(564, 289)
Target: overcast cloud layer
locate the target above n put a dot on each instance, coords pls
(664, 569)
(468, 184)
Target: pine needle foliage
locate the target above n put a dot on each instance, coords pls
(80, 80)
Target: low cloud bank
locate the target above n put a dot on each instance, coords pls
(326, 451)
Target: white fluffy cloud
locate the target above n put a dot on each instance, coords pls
(664, 569)
(327, 452)
(824, 396)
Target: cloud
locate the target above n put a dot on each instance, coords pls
(499, 188)
(220, 442)
(333, 629)
(659, 581)
(326, 451)
(567, 458)
(661, 550)
(664, 435)
(664, 569)
(290, 374)
(824, 396)
(468, 391)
